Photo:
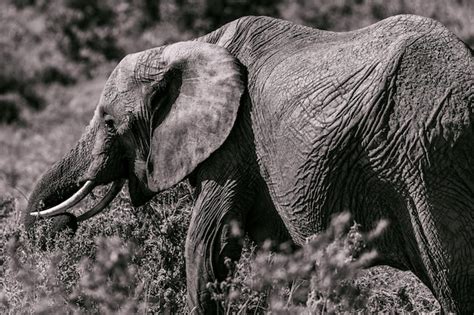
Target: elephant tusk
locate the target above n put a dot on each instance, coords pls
(104, 202)
(70, 202)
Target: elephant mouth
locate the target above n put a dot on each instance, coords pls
(80, 195)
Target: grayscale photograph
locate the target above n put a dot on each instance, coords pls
(236, 157)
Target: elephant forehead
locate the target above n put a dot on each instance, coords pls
(122, 78)
(121, 86)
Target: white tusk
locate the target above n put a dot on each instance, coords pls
(104, 202)
(70, 202)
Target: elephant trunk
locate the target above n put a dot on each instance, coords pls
(61, 181)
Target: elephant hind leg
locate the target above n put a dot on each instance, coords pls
(444, 232)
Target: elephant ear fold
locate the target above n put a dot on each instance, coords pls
(196, 105)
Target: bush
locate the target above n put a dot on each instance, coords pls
(85, 30)
(204, 16)
(319, 278)
(130, 261)
(9, 109)
(136, 261)
(29, 59)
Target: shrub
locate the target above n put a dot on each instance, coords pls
(319, 278)
(29, 59)
(128, 261)
(204, 16)
(9, 109)
(116, 263)
(85, 29)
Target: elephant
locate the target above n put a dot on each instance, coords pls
(278, 127)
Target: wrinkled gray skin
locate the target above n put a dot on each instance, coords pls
(280, 126)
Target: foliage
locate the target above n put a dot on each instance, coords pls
(28, 60)
(130, 261)
(319, 278)
(206, 15)
(135, 261)
(85, 29)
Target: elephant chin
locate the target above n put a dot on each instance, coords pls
(139, 193)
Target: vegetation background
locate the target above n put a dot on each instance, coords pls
(55, 56)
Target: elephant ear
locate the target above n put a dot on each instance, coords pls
(196, 104)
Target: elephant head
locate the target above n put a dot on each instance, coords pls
(161, 113)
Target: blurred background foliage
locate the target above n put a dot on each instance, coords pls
(59, 42)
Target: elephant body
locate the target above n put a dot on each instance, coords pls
(377, 122)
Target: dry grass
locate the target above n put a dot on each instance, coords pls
(131, 261)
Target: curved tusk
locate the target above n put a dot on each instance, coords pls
(70, 202)
(104, 202)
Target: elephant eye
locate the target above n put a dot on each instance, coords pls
(109, 122)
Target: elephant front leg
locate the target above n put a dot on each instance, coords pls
(211, 239)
